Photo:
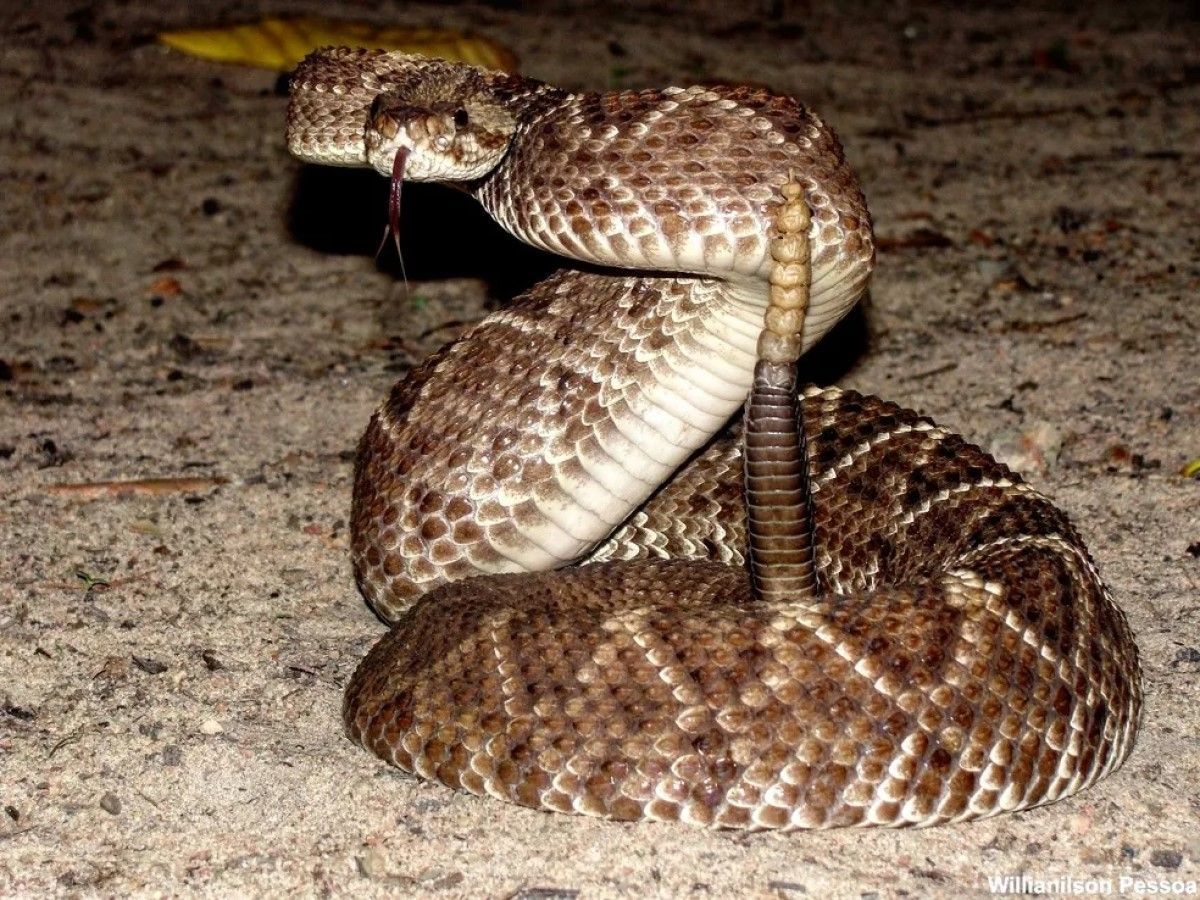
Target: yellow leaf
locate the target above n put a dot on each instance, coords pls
(280, 44)
(1192, 469)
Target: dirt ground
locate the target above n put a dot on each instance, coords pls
(179, 299)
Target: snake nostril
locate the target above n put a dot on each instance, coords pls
(381, 119)
(386, 126)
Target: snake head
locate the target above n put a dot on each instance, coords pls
(452, 121)
(447, 134)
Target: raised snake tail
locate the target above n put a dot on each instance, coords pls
(778, 495)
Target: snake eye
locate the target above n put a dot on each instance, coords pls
(461, 119)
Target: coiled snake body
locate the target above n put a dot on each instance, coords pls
(958, 655)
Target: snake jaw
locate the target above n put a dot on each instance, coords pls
(445, 141)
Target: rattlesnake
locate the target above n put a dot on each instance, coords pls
(957, 655)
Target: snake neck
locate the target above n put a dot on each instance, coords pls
(684, 181)
(524, 444)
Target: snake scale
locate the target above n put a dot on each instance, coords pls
(954, 654)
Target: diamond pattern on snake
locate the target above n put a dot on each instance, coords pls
(632, 570)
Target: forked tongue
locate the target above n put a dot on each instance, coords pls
(393, 225)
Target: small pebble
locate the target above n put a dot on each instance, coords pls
(1166, 859)
(211, 726)
(111, 804)
(149, 665)
(372, 864)
(1032, 449)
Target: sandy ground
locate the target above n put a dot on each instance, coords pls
(177, 302)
